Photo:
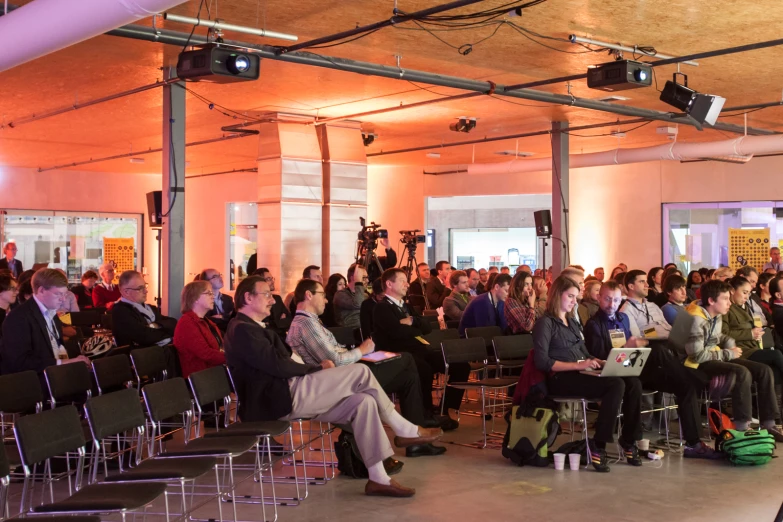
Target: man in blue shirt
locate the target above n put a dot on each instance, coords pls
(487, 309)
(674, 288)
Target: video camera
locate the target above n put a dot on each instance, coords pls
(409, 237)
(372, 232)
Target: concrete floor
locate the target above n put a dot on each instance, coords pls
(469, 484)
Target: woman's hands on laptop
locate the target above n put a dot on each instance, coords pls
(589, 364)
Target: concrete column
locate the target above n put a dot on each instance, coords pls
(345, 194)
(173, 233)
(560, 198)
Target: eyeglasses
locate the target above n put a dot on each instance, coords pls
(265, 294)
(140, 288)
(317, 292)
(269, 279)
(210, 293)
(365, 278)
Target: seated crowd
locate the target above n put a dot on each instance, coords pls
(704, 331)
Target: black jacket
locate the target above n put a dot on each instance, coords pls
(390, 335)
(365, 316)
(279, 320)
(554, 341)
(26, 344)
(221, 320)
(16, 268)
(130, 327)
(387, 261)
(251, 264)
(261, 365)
(480, 288)
(436, 293)
(82, 299)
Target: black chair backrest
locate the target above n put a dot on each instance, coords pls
(111, 373)
(768, 339)
(452, 324)
(485, 332)
(436, 337)
(345, 335)
(417, 301)
(5, 468)
(149, 362)
(85, 318)
(167, 398)
(210, 385)
(106, 321)
(509, 347)
(430, 313)
(68, 380)
(48, 434)
(464, 350)
(114, 413)
(20, 392)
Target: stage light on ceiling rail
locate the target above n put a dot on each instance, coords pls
(464, 124)
(704, 108)
(368, 138)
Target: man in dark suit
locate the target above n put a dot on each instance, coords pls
(274, 383)
(398, 328)
(223, 309)
(9, 262)
(32, 333)
(279, 319)
(418, 289)
(483, 278)
(488, 308)
(136, 323)
(437, 290)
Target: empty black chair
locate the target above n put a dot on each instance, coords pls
(488, 333)
(106, 321)
(149, 364)
(20, 393)
(112, 373)
(347, 336)
(436, 337)
(86, 318)
(57, 432)
(512, 350)
(68, 382)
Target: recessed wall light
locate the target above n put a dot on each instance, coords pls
(433, 155)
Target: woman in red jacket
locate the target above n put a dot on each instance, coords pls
(196, 338)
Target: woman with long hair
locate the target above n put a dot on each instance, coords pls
(334, 284)
(655, 282)
(520, 305)
(559, 352)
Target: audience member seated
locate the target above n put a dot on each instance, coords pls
(505, 270)
(743, 324)
(32, 333)
(487, 309)
(280, 318)
(698, 339)
(654, 282)
(578, 276)
(9, 261)
(437, 287)
(599, 274)
(348, 301)
(197, 339)
(398, 328)
(753, 303)
(106, 293)
(590, 300)
(473, 281)
(223, 309)
(455, 303)
(83, 291)
(647, 319)
(615, 271)
(419, 286)
(519, 307)
(314, 344)
(541, 289)
(523, 268)
(723, 273)
(559, 352)
(136, 323)
(336, 283)
(692, 285)
(368, 308)
(8, 292)
(764, 296)
(675, 289)
(774, 261)
(252, 263)
(481, 287)
(25, 291)
(69, 303)
(310, 272)
(274, 383)
(776, 303)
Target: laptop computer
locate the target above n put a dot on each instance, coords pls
(622, 362)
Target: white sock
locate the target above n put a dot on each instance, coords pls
(378, 474)
(399, 425)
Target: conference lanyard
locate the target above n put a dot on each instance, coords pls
(646, 311)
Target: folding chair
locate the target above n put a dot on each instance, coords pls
(68, 382)
(571, 401)
(347, 336)
(511, 350)
(149, 364)
(56, 432)
(488, 333)
(474, 350)
(20, 393)
(86, 319)
(112, 373)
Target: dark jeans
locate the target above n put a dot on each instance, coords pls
(610, 392)
(430, 362)
(401, 377)
(772, 358)
(747, 372)
(664, 373)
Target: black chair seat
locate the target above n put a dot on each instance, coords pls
(214, 446)
(107, 497)
(166, 469)
(73, 519)
(512, 362)
(254, 429)
(489, 383)
(476, 366)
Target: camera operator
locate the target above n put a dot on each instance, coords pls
(387, 261)
(370, 237)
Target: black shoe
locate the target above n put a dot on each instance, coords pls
(447, 423)
(631, 453)
(431, 422)
(277, 448)
(392, 466)
(599, 461)
(424, 450)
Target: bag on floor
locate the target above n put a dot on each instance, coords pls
(746, 448)
(349, 461)
(719, 421)
(529, 438)
(577, 446)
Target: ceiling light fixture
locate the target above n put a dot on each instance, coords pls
(619, 47)
(218, 25)
(368, 138)
(704, 108)
(464, 124)
(138, 161)
(613, 98)
(434, 155)
(518, 154)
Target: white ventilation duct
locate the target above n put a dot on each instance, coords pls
(744, 146)
(45, 26)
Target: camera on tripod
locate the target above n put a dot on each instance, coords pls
(367, 243)
(411, 239)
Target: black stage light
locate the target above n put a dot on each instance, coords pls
(704, 108)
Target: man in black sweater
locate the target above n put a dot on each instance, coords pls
(399, 328)
(136, 323)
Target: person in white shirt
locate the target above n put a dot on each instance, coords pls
(647, 319)
(774, 260)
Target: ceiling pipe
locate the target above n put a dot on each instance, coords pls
(677, 151)
(618, 47)
(45, 26)
(396, 73)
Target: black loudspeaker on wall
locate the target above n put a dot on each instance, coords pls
(543, 223)
(155, 212)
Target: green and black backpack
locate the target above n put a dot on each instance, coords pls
(529, 438)
(746, 448)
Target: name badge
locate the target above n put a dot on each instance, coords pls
(650, 333)
(757, 321)
(618, 338)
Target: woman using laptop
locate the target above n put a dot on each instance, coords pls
(559, 352)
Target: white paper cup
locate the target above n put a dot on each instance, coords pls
(560, 461)
(574, 460)
(643, 444)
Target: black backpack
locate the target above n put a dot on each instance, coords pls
(349, 461)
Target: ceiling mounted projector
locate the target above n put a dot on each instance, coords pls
(704, 108)
(619, 75)
(212, 63)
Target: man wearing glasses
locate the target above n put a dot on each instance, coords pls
(279, 319)
(223, 309)
(348, 301)
(136, 323)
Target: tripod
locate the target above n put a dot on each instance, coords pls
(410, 269)
(367, 256)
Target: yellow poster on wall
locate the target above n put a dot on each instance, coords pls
(748, 247)
(120, 252)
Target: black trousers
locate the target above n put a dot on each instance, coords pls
(430, 362)
(401, 377)
(772, 358)
(664, 373)
(747, 372)
(610, 392)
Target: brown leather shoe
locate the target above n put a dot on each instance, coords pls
(394, 489)
(426, 435)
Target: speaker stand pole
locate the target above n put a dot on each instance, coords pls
(543, 255)
(158, 298)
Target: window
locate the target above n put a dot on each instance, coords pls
(243, 234)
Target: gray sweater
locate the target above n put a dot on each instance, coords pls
(348, 305)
